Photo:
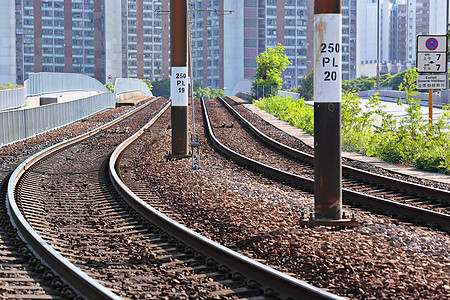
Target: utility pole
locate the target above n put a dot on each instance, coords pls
(179, 77)
(327, 115)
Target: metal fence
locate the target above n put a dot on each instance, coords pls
(263, 91)
(126, 85)
(295, 96)
(12, 98)
(45, 83)
(17, 125)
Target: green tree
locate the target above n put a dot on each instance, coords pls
(397, 79)
(208, 93)
(448, 42)
(306, 88)
(365, 83)
(148, 83)
(110, 87)
(385, 80)
(9, 86)
(271, 64)
(161, 88)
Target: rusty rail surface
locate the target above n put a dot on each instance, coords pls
(404, 211)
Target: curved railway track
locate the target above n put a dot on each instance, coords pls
(64, 203)
(258, 217)
(402, 199)
(37, 205)
(22, 274)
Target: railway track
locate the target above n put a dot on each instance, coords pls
(405, 200)
(64, 205)
(258, 217)
(37, 210)
(22, 274)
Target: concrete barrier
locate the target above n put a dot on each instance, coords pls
(439, 98)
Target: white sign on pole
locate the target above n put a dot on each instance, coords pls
(431, 62)
(431, 53)
(179, 86)
(327, 58)
(431, 43)
(431, 82)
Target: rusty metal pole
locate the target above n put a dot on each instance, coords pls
(430, 107)
(327, 110)
(179, 77)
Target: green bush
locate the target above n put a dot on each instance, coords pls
(365, 83)
(408, 140)
(208, 93)
(306, 87)
(270, 65)
(161, 88)
(295, 112)
(110, 87)
(10, 86)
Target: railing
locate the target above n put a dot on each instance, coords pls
(437, 99)
(263, 91)
(292, 95)
(46, 83)
(12, 98)
(17, 125)
(127, 85)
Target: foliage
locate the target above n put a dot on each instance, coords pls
(110, 87)
(161, 88)
(271, 64)
(10, 86)
(295, 112)
(208, 93)
(448, 42)
(365, 83)
(148, 83)
(197, 84)
(410, 140)
(397, 79)
(362, 83)
(368, 129)
(306, 88)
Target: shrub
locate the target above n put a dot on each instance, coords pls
(295, 112)
(408, 140)
(10, 86)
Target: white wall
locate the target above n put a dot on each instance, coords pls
(438, 10)
(411, 34)
(367, 30)
(113, 38)
(233, 44)
(385, 19)
(7, 42)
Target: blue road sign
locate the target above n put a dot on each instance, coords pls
(431, 44)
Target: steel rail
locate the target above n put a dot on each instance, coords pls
(81, 282)
(423, 216)
(347, 170)
(281, 282)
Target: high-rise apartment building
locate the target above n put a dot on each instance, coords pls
(228, 35)
(349, 39)
(7, 43)
(207, 33)
(98, 38)
(137, 39)
(59, 36)
(107, 39)
(145, 36)
(416, 17)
